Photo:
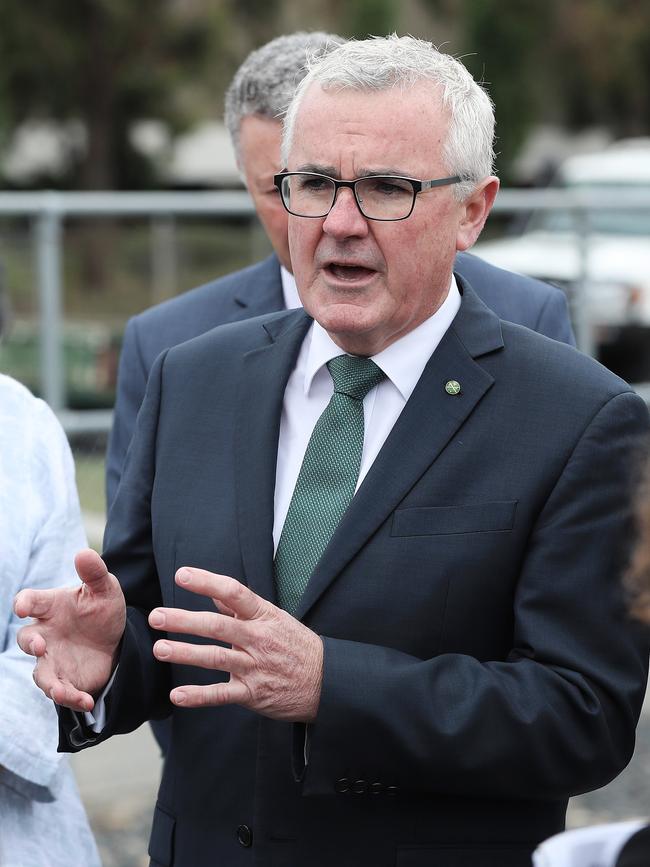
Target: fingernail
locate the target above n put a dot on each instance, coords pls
(157, 618)
(179, 697)
(163, 649)
(183, 576)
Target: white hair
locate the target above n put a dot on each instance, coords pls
(381, 63)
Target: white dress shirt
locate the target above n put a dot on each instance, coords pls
(289, 289)
(310, 388)
(594, 846)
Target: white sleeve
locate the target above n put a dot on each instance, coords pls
(40, 533)
(594, 846)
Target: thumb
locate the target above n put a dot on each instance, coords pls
(92, 571)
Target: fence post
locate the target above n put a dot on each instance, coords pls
(164, 258)
(49, 271)
(581, 302)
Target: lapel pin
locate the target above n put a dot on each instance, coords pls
(452, 387)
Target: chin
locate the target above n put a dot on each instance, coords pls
(350, 330)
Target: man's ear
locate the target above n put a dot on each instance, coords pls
(475, 210)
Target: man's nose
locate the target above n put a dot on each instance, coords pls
(345, 220)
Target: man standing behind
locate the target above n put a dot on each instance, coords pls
(422, 651)
(256, 102)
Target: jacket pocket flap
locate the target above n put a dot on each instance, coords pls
(440, 520)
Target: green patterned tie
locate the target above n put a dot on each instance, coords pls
(327, 478)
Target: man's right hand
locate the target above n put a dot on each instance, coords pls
(76, 633)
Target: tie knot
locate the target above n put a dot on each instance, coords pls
(354, 375)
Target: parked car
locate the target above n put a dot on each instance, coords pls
(616, 292)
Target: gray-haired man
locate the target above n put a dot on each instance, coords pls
(378, 539)
(255, 103)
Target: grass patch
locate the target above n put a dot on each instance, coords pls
(90, 482)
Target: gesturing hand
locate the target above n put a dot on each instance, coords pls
(75, 634)
(275, 662)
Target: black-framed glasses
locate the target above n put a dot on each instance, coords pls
(379, 197)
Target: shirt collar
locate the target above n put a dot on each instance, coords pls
(289, 289)
(404, 360)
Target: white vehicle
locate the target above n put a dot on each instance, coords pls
(615, 254)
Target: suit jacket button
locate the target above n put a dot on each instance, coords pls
(359, 787)
(376, 788)
(391, 790)
(341, 786)
(245, 836)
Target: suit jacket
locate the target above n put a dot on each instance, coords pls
(257, 290)
(636, 851)
(479, 666)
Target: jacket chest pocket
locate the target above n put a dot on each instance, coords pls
(494, 517)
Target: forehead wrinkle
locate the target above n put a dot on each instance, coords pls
(362, 172)
(359, 141)
(318, 169)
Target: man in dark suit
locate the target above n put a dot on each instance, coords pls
(256, 100)
(410, 515)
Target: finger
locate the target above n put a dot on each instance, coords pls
(206, 624)
(31, 641)
(34, 603)
(66, 695)
(224, 590)
(211, 696)
(203, 656)
(61, 692)
(92, 571)
(222, 608)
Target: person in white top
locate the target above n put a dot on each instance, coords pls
(42, 820)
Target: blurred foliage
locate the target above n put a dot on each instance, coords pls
(579, 64)
(604, 60)
(106, 63)
(370, 17)
(509, 44)
(110, 62)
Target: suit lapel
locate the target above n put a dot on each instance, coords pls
(259, 407)
(262, 292)
(427, 423)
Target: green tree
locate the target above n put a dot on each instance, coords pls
(507, 44)
(370, 18)
(105, 63)
(603, 64)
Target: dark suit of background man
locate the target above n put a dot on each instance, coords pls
(255, 102)
(458, 662)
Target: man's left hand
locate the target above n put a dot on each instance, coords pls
(274, 661)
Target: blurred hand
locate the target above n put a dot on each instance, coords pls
(75, 634)
(275, 662)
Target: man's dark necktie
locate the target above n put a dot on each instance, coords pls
(327, 478)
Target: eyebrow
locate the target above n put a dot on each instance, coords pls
(332, 172)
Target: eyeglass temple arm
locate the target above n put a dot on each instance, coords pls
(441, 182)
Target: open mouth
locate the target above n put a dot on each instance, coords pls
(349, 272)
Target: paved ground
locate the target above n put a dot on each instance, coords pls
(118, 782)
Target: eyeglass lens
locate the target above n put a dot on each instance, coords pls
(379, 198)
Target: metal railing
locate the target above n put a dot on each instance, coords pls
(49, 210)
